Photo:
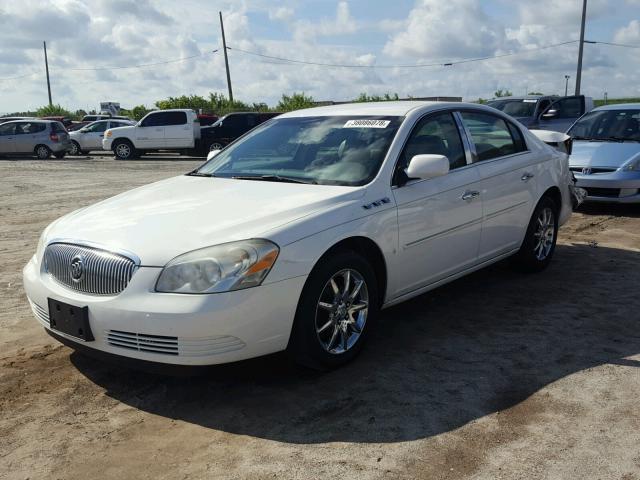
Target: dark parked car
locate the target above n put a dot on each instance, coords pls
(544, 112)
(230, 127)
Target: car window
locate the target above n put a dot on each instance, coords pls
(491, 135)
(542, 106)
(7, 129)
(608, 124)
(175, 118)
(340, 150)
(57, 127)
(437, 135)
(568, 107)
(117, 124)
(97, 127)
(154, 120)
(515, 108)
(29, 127)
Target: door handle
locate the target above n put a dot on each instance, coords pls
(470, 195)
(526, 176)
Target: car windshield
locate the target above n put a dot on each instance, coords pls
(341, 150)
(516, 108)
(616, 125)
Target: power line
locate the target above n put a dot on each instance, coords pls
(20, 76)
(142, 65)
(625, 45)
(416, 65)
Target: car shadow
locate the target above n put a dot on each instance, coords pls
(477, 346)
(615, 209)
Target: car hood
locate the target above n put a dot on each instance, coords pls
(602, 154)
(159, 221)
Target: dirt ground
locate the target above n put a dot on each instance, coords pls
(497, 375)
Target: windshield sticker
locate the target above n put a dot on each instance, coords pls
(367, 124)
(530, 100)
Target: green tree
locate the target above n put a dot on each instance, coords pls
(364, 97)
(295, 102)
(53, 111)
(502, 93)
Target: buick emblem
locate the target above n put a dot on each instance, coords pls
(76, 268)
(586, 171)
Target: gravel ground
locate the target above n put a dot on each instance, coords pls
(497, 375)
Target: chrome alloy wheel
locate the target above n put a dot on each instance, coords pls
(42, 152)
(123, 150)
(75, 148)
(341, 312)
(544, 234)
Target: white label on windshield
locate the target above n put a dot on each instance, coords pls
(367, 124)
(529, 101)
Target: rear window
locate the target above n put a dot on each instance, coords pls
(57, 127)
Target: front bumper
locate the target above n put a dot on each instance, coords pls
(175, 329)
(612, 187)
(106, 143)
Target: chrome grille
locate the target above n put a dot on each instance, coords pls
(102, 272)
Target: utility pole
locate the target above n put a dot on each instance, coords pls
(46, 66)
(566, 84)
(581, 48)
(226, 59)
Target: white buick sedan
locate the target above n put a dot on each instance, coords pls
(295, 236)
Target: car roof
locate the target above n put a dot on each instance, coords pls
(31, 120)
(619, 106)
(522, 97)
(392, 109)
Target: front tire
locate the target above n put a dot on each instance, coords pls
(336, 312)
(75, 148)
(539, 243)
(123, 150)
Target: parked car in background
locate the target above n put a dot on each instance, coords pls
(230, 127)
(41, 138)
(174, 130)
(90, 136)
(11, 119)
(606, 153)
(206, 119)
(93, 117)
(63, 120)
(295, 236)
(544, 112)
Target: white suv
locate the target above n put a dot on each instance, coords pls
(295, 236)
(177, 130)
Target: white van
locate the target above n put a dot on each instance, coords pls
(177, 129)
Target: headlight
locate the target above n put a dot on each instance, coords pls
(632, 166)
(222, 268)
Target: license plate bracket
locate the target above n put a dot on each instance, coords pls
(70, 319)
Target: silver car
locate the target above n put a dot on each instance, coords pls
(90, 136)
(606, 153)
(41, 138)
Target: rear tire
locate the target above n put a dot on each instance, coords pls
(124, 150)
(42, 152)
(539, 243)
(336, 312)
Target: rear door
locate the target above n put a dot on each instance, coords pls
(30, 134)
(178, 132)
(439, 219)
(150, 132)
(561, 114)
(507, 169)
(7, 138)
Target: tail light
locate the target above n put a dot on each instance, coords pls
(54, 137)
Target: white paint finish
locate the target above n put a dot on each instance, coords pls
(438, 230)
(427, 233)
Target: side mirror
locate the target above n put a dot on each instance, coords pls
(550, 114)
(212, 153)
(427, 166)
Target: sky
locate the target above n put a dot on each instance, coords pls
(91, 43)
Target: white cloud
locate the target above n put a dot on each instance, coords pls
(281, 13)
(342, 24)
(629, 34)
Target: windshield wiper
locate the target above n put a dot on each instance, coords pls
(200, 174)
(620, 139)
(589, 139)
(274, 178)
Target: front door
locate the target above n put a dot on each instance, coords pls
(508, 171)
(92, 138)
(150, 132)
(561, 114)
(439, 219)
(7, 138)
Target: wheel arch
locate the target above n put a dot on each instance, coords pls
(555, 195)
(370, 250)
